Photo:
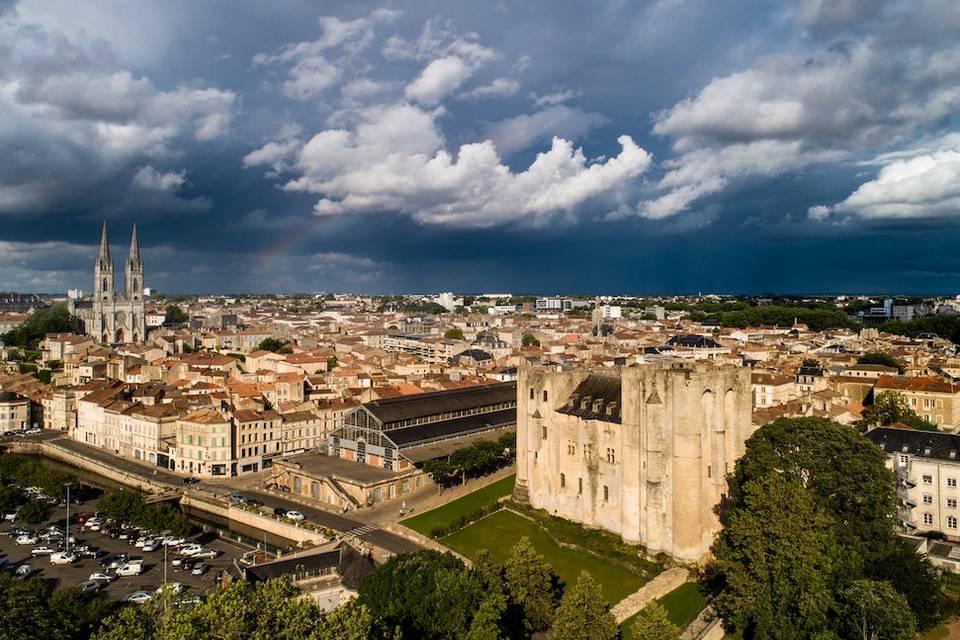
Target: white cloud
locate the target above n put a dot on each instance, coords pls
(555, 98)
(921, 187)
(790, 111)
(498, 88)
(316, 65)
(818, 212)
(149, 178)
(439, 78)
(395, 159)
(520, 132)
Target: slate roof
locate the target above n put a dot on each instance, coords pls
(582, 402)
(422, 433)
(925, 444)
(389, 410)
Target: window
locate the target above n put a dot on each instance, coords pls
(531, 393)
(579, 485)
(587, 450)
(563, 480)
(927, 498)
(544, 395)
(571, 449)
(927, 518)
(927, 479)
(543, 432)
(611, 455)
(904, 459)
(951, 503)
(606, 493)
(952, 482)
(951, 522)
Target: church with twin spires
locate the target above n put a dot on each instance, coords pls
(113, 316)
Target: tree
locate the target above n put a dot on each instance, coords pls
(332, 363)
(652, 623)
(34, 512)
(532, 585)
(778, 571)
(175, 315)
(270, 344)
(811, 363)
(583, 614)
(53, 319)
(873, 610)
(529, 340)
(454, 334)
(912, 575)
(890, 407)
(885, 359)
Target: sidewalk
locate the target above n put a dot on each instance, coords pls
(428, 499)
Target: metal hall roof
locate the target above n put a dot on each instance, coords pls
(421, 405)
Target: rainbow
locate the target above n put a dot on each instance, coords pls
(289, 241)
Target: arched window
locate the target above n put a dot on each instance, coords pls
(544, 395)
(297, 484)
(606, 493)
(563, 480)
(104, 284)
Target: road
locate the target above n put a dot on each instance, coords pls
(348, 526)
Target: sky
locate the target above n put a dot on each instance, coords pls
(543, 146)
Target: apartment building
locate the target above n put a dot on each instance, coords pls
(204, 444)
(771, 389)
(14, 412)
(927, 466)
(933, 399)
(257, 439)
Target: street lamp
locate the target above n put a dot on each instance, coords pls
(67, 529)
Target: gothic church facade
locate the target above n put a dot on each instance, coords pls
(114, 316)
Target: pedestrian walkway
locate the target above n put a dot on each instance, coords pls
(362, 530)
(660, 586)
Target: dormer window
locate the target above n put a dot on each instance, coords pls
(584, 403)
(597, 406)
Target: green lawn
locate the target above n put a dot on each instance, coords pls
(498, 533)
(683, 604)
(937, 633)
(448, 514)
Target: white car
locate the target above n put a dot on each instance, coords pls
(190, 549)
(102, 577)
(26, 538)
(23, 572)
(296, 516)
(42, 551)
(11, 515)
(174, 542)
(206, 552)
(137, 597)
(130, 569)
(174, 588)
(62, 557)
(150, 545)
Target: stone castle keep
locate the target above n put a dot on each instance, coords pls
(640, 451)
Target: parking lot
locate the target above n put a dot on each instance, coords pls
(153, 562)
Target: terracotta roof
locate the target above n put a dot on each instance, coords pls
(926, 384)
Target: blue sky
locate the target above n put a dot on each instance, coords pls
(670, 146)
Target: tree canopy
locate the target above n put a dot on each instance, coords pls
(455, 333)
(27, 335)
(652, 623)
(530, 340)
(583, 614)
(876, 357)
(175, 315)
(890, 407)
(811, 510)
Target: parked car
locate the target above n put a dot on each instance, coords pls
(190, 549)
(101, 576)
(89, 586)
(200, 569)
(177, 562)
(11, 515)
(26, 538)
(130, 569)
(150, 545)
(114, 561)
(174, 588)
(42, 551)
(174, 541)
(190, 480)
(137, 597)
(296, 516)
(62, 557)
(279, 512)
(23, 572)
(237, 498)
(206, 552)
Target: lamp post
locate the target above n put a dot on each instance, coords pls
(67, 529)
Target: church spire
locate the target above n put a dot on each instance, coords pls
(104, 258)
(134, 247)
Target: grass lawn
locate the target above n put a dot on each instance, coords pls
(937, 633)
(499, 531)
(449, 513)
(683, 604)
